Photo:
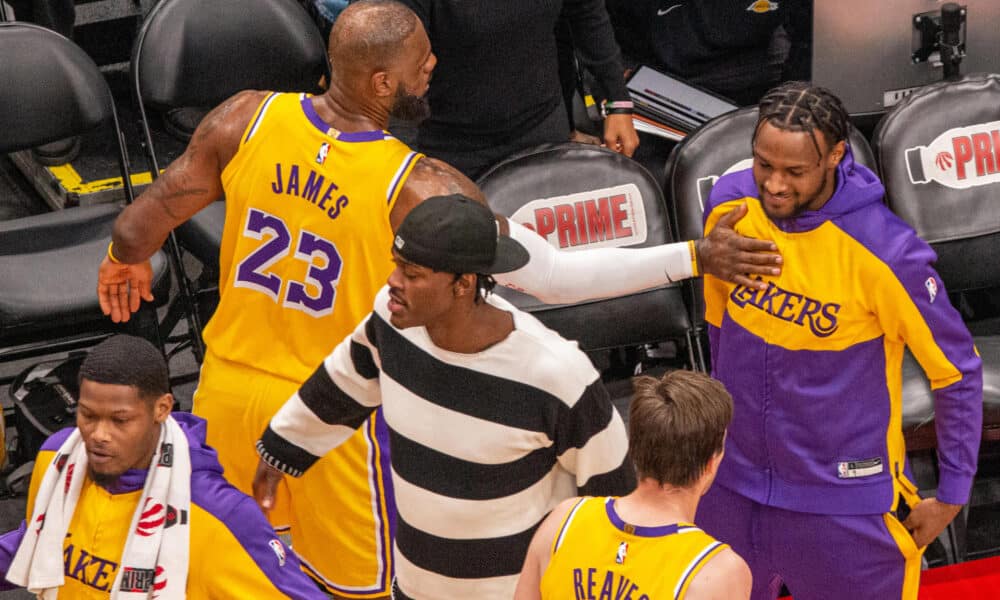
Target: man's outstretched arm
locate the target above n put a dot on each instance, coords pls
(568, 277)
(189, 184)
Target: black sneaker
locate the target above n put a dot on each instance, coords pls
(59, 152)
(181, 122)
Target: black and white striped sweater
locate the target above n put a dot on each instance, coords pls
(483, 445)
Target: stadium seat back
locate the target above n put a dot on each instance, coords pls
(198, 52)
(50, 89)
(939, 153)
(582, 197)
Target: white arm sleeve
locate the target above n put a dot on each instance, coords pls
(556, 277)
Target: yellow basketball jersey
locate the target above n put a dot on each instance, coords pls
(597, 555)
(306, 243)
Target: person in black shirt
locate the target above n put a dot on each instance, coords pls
(736, 49)
(496, 89)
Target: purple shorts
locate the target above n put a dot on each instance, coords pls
(819, 557)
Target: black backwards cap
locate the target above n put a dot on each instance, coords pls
(456, 234)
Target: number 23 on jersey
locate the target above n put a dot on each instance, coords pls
(317, 293)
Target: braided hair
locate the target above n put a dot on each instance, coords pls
(799, 106)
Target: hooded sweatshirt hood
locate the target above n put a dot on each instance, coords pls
(856, 188)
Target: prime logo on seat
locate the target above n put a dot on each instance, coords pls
(608, 217)
(959, 158)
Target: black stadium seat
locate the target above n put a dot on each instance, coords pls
(193, 53)
(48, 262)
(565, 191)
(719, 147)
(939, 154)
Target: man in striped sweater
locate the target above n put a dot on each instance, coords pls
(493, 418)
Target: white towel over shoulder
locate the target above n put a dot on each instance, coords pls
(155, 557)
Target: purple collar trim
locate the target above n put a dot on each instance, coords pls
(129, 481)
(342, 136)
(640, 531)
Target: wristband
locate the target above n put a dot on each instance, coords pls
(694, 259)
(617, 107)
(111, 256)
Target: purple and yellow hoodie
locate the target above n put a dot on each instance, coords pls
(234, 551)
(813, 363)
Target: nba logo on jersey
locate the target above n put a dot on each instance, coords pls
(323, 151)
(622, 551)
(931, 285)
(279, 551)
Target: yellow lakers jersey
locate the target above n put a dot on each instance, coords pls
(306, 243)
(597, 555)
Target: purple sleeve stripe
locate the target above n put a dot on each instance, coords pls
(399, 177)
(9, 543)
(260, 116)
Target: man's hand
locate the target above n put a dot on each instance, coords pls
(265, 484)
(121, 288)
(928, 519)
(620, 135)
(731, 257)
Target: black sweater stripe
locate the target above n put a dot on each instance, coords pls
(365, 365)
(329, 403)
(589, 416)
(284, 455)
(464, 559)
(456, 478)
(469, 392)
(618, 482)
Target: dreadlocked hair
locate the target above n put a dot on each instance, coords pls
(484, 286)
(128, 360)
(799, 106)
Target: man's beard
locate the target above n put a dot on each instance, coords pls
(409, 107)
(103, 479)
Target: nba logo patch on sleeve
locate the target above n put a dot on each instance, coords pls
(932, 288)
(279, 551)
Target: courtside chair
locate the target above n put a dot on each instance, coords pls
(565, 191)
(938, 154)
(719, 147)
(52, 90)
(197, 53)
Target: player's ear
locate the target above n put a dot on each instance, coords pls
(837, 153)
(383, 84)
(162, 407)
(465, 284)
